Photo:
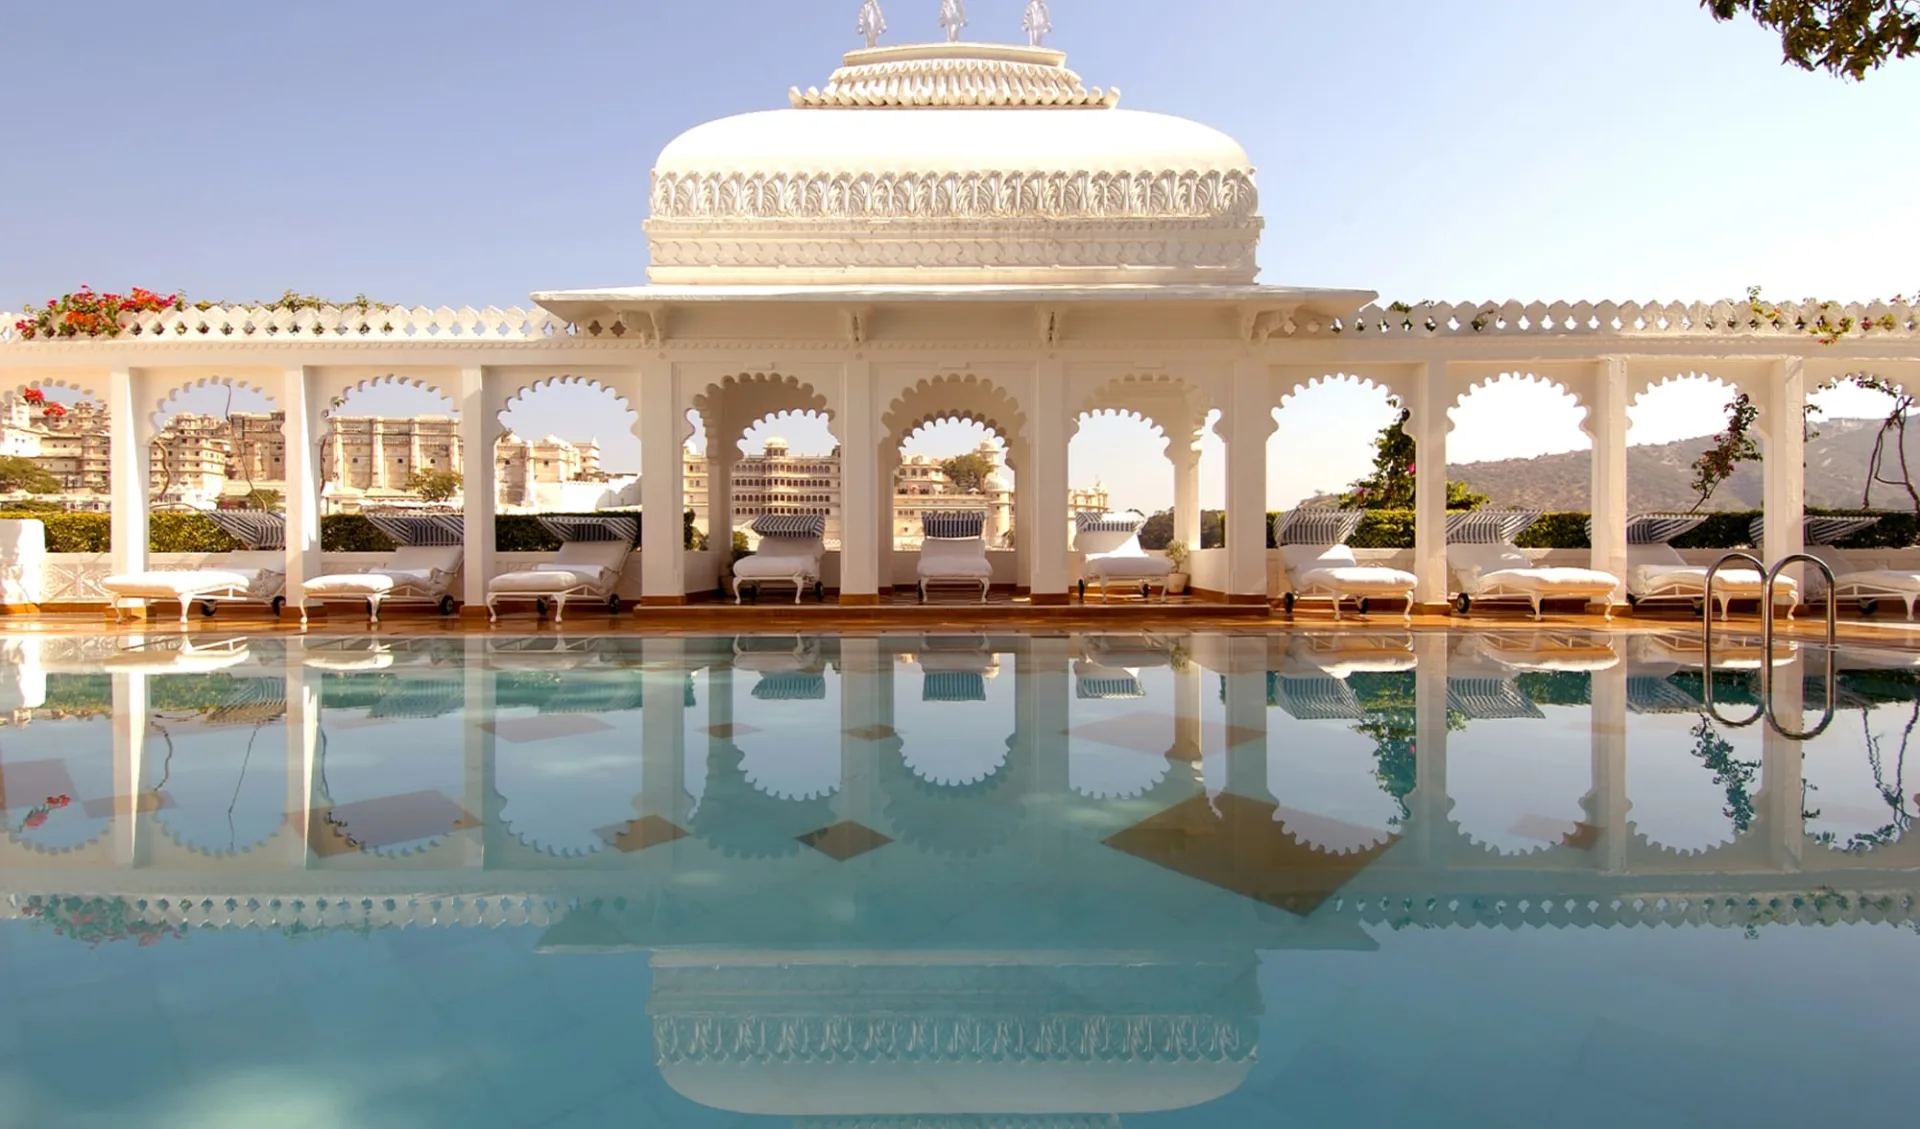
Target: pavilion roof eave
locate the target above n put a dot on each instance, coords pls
(579, 305)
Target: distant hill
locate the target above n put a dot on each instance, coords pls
(1657, 475)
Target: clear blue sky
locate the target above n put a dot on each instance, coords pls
(447, 153)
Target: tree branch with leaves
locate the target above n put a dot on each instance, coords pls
(1845, 38)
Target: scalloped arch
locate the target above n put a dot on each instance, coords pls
(1145, 395)
(954, 397)
(565, 380)
(1523, 378)
(341, 392)
(1654, 384)
(85, 389)
(744, 399)
(176, 391)
(1364, 381)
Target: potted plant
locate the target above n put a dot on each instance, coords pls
(1177, 554)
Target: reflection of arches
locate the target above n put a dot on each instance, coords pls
(744, 822)
(570, 797)
(1516, 792)
(958, 819)
(52, 759)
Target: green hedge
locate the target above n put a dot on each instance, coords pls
(1393, 529)
(339, 533)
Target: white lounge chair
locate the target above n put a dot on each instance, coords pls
(1867, 586)
(593, 552)
(1657, 572)
(420, 571)
(1111, 543)
(790, 550)
(256, 575)
(953, 550)
(1489, 567)
(1320, 565)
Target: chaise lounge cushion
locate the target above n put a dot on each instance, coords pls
(1335, 568)
(1484, 568)
(249, 574)
(959, 558)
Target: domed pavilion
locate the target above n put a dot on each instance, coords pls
(969, 231)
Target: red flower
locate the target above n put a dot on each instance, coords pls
(60, 801)
(36, 817)
(35, 396)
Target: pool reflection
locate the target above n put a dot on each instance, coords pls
(938, 876)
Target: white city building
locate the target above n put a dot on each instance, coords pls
(967, 231)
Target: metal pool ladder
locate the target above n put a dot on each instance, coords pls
(1766, 642)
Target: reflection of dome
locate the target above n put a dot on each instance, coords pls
(829, 1037)
(953, 163)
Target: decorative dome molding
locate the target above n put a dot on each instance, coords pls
(953, 164)
(955, 75)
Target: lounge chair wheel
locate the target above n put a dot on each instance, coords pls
(1464, 602)
(1869, 607)
(1145, 589)
(446, 605)
(1083, 591)
(1699, 607)
(1633, 601)
(540, 608)
(613, 605)
(1287, 602)
(206, 610)
(820, 591)
(278, 605)
(1364, 605)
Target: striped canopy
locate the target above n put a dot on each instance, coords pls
(1650, 694)
(255, 529)
(1825, 529)
(421, 529)
(1489, 699)
(1129, 522)
(790, 525)
(1113, 686)
(1657, 529)
(598, 527)
(953, 524)
(796, 687)
(1316, 525)
(1488, 527)
(953, 686)
(1322, 698)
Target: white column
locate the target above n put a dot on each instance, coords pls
(1186, 490)
(1251, 426)
(1607, 804)
(662, 494)
(1784, 483)
(663, 742)
(129, 766)
(1607, 425)
(130, 430)
(720, 460)
(1429, 801)
(1429, 427)
(1246, 714)
(479, 430)
(866, 723)
(859, 487)
(303, 757)
(1023, 521)
(1780, 807)
(1046, 542)
(300, 435)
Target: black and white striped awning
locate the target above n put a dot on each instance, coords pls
(1489, 699)
(595, 527)
(790, 525)
(1322, 698)
(1109, 687)
(1316, 525)
(1820, 529)
(1488, 527)
(1650, 694)
(421, 698)
(953, 686)
(600, 692)
(1657, 529)
(421, 529)
(256, 529)
(791, 688)
(953, 524)
(1129, 522)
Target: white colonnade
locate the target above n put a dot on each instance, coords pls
(1174, 364)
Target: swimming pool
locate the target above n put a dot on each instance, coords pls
(1518, 878)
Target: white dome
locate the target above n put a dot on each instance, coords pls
(952, 164)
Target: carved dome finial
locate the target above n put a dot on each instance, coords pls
(953, 17)
(873, 24)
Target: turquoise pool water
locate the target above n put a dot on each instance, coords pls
(1000, 881)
